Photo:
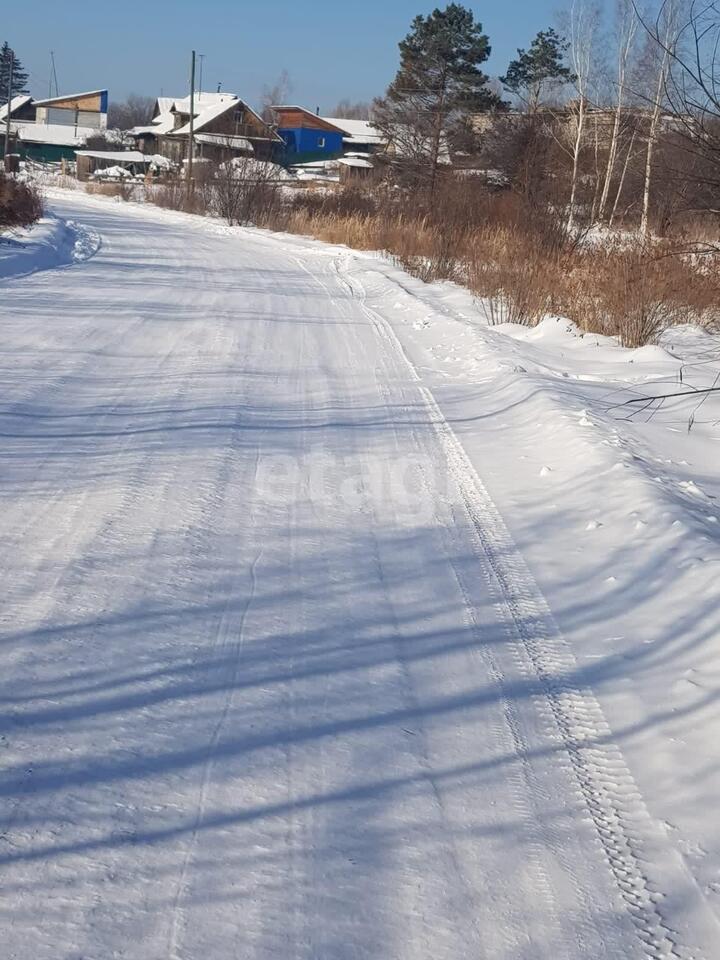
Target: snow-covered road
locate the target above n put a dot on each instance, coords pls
(275, 680)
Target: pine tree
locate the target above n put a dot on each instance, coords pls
(438, 86)
(538, 68)
(19, 78)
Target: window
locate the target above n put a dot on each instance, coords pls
(321, 142)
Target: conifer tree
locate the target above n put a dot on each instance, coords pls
(537, 69)
(19, 75)
(438, 86)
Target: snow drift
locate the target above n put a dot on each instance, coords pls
(52, 242)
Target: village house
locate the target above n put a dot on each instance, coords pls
(51, 130)
(307, 136)
(359, 136)
(224, 126)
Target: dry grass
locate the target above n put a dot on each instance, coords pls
(636, 292)
(524, 266)
(119, 189)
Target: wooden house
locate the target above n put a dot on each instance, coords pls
(85, 110)
(306, 135)
(224, 126)
(52, 129)
(359, 136)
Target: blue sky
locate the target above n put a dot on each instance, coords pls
(331, 48)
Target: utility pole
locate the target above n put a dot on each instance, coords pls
(6, 147)
(191, 143)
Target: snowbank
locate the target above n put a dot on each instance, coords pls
(52, 242)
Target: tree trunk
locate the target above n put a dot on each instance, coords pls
(437, 140)
(655, 123)
(625, 46)
(652, 140)
(612, 159)
(576, 164)
(618, 195)
(584, 16)
(596, 193)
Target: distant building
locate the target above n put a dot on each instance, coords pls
(359, 136)
(91, 163)
(52, 129)
(306, 135)
(224, 126)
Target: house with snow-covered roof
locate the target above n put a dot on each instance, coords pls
(223, 126)
(52, 129)
(360, 136)
(307, 136)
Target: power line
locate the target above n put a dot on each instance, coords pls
(201, 57)
(53, 76)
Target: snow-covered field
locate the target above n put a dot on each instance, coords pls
(336, 624)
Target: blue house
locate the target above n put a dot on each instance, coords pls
(307, 136)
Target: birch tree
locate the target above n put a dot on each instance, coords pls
(666, 30)
(626, 32)
(583, 23)
(685, 39)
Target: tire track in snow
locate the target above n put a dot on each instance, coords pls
(522, 782)
(222, 642)
(519, 782)
(219, 649)
(629, 836)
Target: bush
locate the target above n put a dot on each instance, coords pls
(522, 264)
(637, 290)
(20, 203)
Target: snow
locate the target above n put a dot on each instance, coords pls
(317, 170)
(52, 242)
(204, 101)
(207, 114)
(339, 624)
(158, 162)
(250, 167)
(165, 104)
(225, 140)
(113, 173)
(355, 162)
(69, 96)
(16, 104)
(58, 134)
(162, 124)
(358, 131)
(120, 156)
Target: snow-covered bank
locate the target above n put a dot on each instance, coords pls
(337, 623)
(616, 506)
(52, 242)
